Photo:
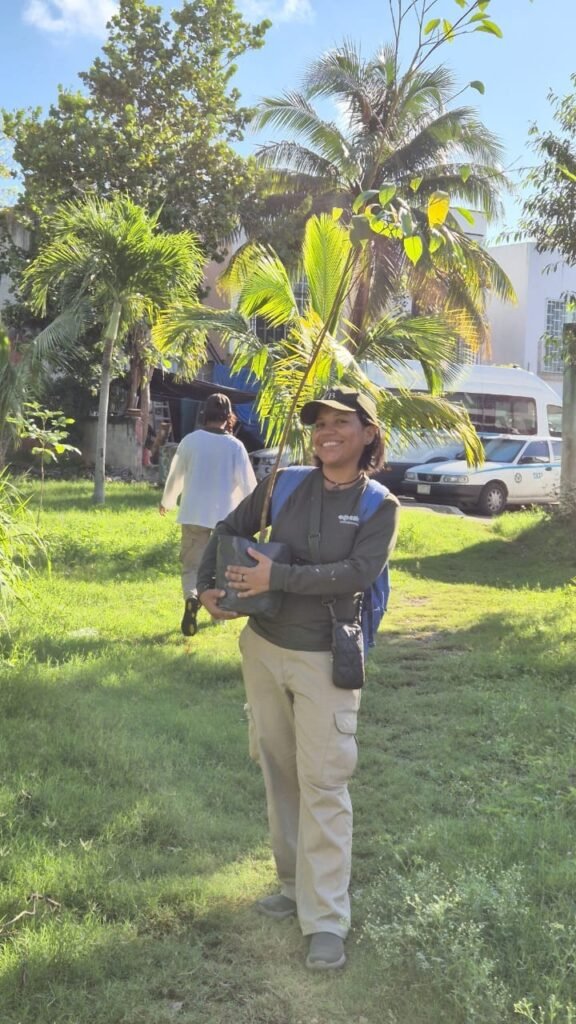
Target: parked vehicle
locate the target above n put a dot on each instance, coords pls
(516, 471)
(263, 461)
(498, 399)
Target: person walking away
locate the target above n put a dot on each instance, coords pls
(303, 724)
(210, 473)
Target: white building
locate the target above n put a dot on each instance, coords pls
(524, 333)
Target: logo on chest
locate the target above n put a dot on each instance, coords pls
(348, 520)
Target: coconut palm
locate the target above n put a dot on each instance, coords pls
(317, 348)
(400, 137)
(109, 258)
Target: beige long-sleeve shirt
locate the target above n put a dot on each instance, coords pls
(212, 473)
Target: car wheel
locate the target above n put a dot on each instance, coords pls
(493, 499)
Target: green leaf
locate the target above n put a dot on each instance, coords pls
(407, 223)
(431, 25)
(461, 3)
(567, 174)
(465, 173)
(479, 86)
(491, 27)
(438, 208)
(360, 229)
(386, 193)
(413, 248)
(415, 183)
(466, 214)
(337, 213)
(448, 29)
(363, 198)
(436, 242)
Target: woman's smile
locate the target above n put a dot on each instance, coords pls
(340, 438)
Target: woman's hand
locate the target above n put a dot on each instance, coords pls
(251, 582)
(210, 598)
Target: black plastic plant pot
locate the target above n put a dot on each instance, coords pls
(234, 551)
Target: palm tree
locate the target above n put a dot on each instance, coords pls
(108, 258)
(317, 348)
(399, 137)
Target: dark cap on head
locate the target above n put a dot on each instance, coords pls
(345, 399)
(217, 408)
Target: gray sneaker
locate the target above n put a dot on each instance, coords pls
(326, 952)
(278, 907)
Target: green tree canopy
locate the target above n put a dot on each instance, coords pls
(549, 212)
(107, 263)
(156, 120)
(402, 136)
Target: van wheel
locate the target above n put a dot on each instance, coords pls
(492, 501)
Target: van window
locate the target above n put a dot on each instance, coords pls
(556, 450)
(536, 451)
(554, 420)
(498, 414)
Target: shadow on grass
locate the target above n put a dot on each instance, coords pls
(542, 557)
(73, 555)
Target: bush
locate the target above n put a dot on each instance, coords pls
(19, 542)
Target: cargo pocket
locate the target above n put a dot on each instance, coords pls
(346, 747)
(252, 741)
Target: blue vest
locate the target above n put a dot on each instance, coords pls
(375, 599)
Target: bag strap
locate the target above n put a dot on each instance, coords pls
(314, 538)
(287, 481)
(315, 520)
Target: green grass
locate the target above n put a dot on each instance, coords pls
(132, 824)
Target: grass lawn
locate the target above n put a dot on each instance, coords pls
(133, 835)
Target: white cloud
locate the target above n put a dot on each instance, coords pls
(278, 10)
(69, 17)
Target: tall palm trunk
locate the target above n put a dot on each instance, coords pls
(145, 398)
(102, 429)
(568, 464)
(359, 310)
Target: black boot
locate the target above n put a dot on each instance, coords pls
(189, 625)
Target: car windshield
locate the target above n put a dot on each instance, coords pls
(500, 450)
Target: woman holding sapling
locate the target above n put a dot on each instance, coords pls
(303, 724)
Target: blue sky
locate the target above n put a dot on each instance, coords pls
(46, 42)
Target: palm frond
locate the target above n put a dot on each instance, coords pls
(327, 266)
(182, 329)
(296, 158)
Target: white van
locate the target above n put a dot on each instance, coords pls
(498, 399)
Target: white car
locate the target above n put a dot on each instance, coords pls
(518, 470)
(263, 461)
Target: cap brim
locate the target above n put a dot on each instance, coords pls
(309, 411)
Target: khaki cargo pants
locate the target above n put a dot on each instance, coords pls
(304, 734)
(192, 546)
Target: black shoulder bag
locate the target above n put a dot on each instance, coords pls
(347, 639)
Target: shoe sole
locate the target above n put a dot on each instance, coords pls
(276, 915)
(325, 965)
(189, 626)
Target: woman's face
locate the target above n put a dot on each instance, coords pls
(339, 438)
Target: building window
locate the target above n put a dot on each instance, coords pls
(557, 314)
(268, 334)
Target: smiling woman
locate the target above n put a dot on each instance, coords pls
(303, 723)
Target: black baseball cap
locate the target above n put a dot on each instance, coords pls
(345, 399)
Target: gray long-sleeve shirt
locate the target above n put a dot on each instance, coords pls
(352, 556)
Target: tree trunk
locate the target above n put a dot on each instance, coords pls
(145, 399)
(102, 429)
(568, 467)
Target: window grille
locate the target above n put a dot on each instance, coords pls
(557, 314)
